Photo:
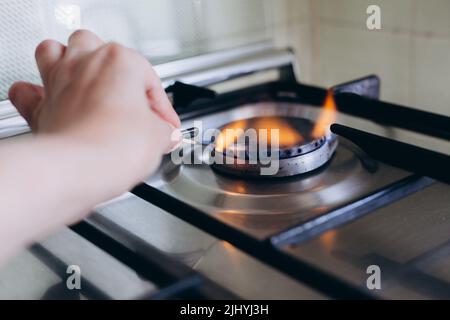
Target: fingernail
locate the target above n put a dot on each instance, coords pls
(176, 135)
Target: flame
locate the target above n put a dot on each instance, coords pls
(288, 136)
(230, 134)
(326, 118)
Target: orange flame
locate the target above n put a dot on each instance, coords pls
(230, 134)
(326, 118)
(288, 136)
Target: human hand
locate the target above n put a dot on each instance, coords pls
(102, 99)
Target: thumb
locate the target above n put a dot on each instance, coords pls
(26, 97)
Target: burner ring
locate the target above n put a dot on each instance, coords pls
(284, 153)
(288, 167)
(293, 159)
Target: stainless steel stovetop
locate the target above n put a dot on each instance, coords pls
(192, 232)
(264, 207)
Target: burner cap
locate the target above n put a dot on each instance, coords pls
(297, 151)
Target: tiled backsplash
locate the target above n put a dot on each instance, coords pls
(330, 37)
(411, 53)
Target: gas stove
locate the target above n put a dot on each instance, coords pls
(343, 202)
(270, 204)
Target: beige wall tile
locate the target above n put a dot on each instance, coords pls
(236, 17)
(431, 85)
(411, 54)
(278, 12)
(346, 53)
(394, 13)
(298, 37)
(433, 16)
(287, 12)
(299, 10)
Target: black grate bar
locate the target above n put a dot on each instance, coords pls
(352, 211)
(175, 290)
(146, 260)
(350, 103)
(398, 154)
(394, 115)
(143, 265)
(58, 266)
(264, 251)
(367, 87)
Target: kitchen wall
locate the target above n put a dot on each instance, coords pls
(162, 30)
(411, 53)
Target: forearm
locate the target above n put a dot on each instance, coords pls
(100, 122)
(46, 183)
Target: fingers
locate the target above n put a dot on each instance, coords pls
(161, 105)
(161, 133)
(47, 54)
(26, 97)
(175, 140)
(159, 102)
(82, 42)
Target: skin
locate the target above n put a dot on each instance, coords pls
(101, 123)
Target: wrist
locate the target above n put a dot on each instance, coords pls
(101, 169)
(86, 170)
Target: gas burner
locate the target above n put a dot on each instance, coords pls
(287, 200)
(298, 151)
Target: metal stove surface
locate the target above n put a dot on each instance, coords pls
(263, 208)
(408, 240)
